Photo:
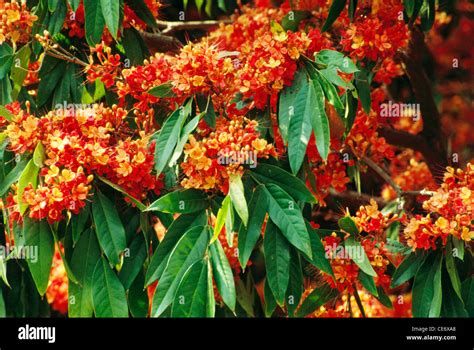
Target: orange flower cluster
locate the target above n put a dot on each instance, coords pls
(346, 271)
(57, 292)
(108, 67)
(410, 172)
(79, 144)
(369, 219)
(453, 204)
(213, 157)
(378, 35)
(15, 22)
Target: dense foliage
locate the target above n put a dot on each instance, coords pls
(294, 159)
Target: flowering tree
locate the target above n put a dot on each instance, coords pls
(299, 158)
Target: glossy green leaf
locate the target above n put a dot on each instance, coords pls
(236, 192)
(320, 260)
(222, 273)
(190, 249)
(134, 258)
(357, 253)
(108, 294)
(39, 237)
(221, 217)
(19, 69)
(334, 11)
(111, 13)
(286, 107)
(317, 298)
(368, 283)
(277, 261)
(407, 269)
(320, 121)
(29, 176)
(181, 201)
(94, 21)
(426, 291)
(287, 216)
(164, 90)
(109, 228)
(347, 224)
(295, 283)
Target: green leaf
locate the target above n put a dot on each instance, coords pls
(362, 84)
(427, 14)
(317, 298)
(266, 173)
(409, 6)
(134, 258)
(223, 274)
(236, 192)
(116, 187)
(286, 102)
(57, 16)
(352, 9)
(277, 261)
(467, 291)
(94, 21)
(248, 236)
(108, 294)
(183, 138)
(221, 217)
(357, 253)
(74, 4)
(111, 13)
(334, 11)
(162, 253)
(142, 11)
(452, 269)
(347, 224)
(292, 20)
(319, 120)
(39, 237)
(13, 176)
(181, 201)
(84, 259)
(164, 90)
(51, 73)
(384, 298)
(6, 57)
(19, 69)
(190, 249)
(426, 291)
(78, 223)
(109, 228)
(299, 130)
(452, 304)
(39, 156)
(134, 46)
(407, 269)
(3, 312)
(138, 298)
(192, 297)
(270, 302)
(368, 283)
(168, 136)
(295, 284)
(286, 215)
(5, 113)
(319, 259)
(27, 177)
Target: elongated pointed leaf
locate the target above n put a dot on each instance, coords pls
(236, 192)
(221, 217)
(287, 216)
(318, 297)
(357, 253)
(182, 201)
(190, 249)
(277, 261)
(29, 176)
(84, 259)
(94, 21)
(248, 236)
(427, 294)
(319, 120)
(108, 294)
(111, 13)
(286, 107)
(319, 254)
(295, 284)
(177, 229)
(407, 269)
(334, 11)
(266, 173)
(39, 237)
(109, 228)
(223, 276)
(133, 261)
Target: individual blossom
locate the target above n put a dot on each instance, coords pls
(108, 67)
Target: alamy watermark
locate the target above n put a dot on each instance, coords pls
(335, 251)
(237, 157)
(27, 252)
(400, 110)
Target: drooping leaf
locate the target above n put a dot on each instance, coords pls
(277, 261)
(407, 269)
(181, 201)
(295, 283)
(134, 258)
(164, 90)
(109, 228)
(190, 249)
(368, 283)
(222, 273)
(19, 69)
(347, 224)
(427, 295)
(111, 13)
(334, 11)
(248, 236)
(94, 21)
(320, 121)
(108, 294)
(286, 107)
(318, 297)
(38, 235)
(357, 253)
(286, 215)
(266, 173)
(29, 176)
(221, 217)
(236, 192)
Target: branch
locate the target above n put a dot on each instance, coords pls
(412, 59)
(170, 27)
(160, 42)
